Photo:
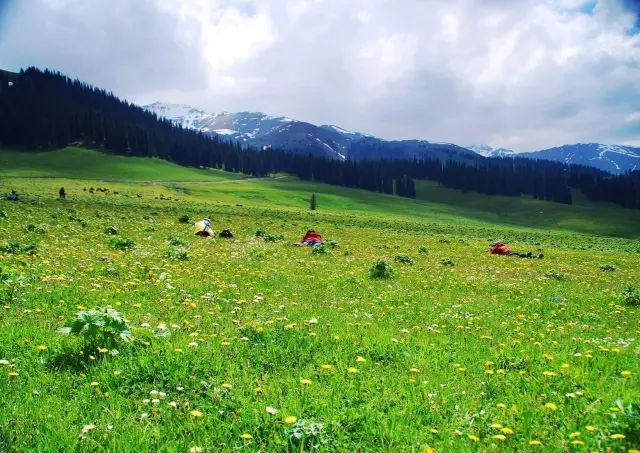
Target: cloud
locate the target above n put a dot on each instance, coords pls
(525, 75)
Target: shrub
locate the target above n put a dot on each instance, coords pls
(447, 262)
(554, 275)
(630, 296)
(320, 250)
(269, 237)
(381, 269)
(178, 254)
(99, 328)
(111, 230)
(184, 219)
(120, 243)
(14, 248)
(607, 268)
(176, 241)
(403, 259)
(423, 250)
(3, 215)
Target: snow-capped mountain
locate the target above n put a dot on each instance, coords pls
(610, 158)
(488, 151)
(260, 130)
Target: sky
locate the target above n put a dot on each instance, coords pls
(518, 74)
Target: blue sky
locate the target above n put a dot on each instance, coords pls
(519, 74)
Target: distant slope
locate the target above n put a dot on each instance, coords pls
(611, 158)
(260, 130)
(81, 163)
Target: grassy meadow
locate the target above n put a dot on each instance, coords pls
(253, 344)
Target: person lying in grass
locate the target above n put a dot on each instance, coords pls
(311, 238)
(500, 248)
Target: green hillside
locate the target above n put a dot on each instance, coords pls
(77, 163)
(251, 343)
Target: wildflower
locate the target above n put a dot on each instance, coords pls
(591, 428)
(271, 410)
(501, 406)
(360, 359)
(626, 373)
(196, 450)
(196, 414)
(433, 431)
(173, 404)
(4, 362)
(326, 366)
(414, 370)
(13, 374)
(94, 384)
(496, 425)
(618, 436)
(574, 435)
(246, 436)
(549, 373)
(87, 428)
(473, 438)
(41, 347)
(227, 386)
(352, 370)
(290, 420)
(551, 406)
(305, 381)
(535, 443)
(501, 437)
(506, 431)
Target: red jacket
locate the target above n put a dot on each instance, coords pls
(312, 236)
(499, 249)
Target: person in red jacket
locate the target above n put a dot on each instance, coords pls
(500, 248)
(311, 238)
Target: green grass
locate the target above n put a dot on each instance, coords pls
(447, 357)
(81, 163)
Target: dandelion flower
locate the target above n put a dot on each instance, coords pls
(535, 443)
(246, 436)
(196, 414)
(326, 366)
(473, 438)
(360, 359)
(574, 435)
(94, 384)
(506, 431)
(550, 406)
(271, 410)
(577, 442)
(41, 347)
(618, 436)
(501, 437)
(305, 381)
(626, 373)
(290, 420)
(591, 428)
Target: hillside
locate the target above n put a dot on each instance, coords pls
(434, 203)
(73, 162)
(252, 343)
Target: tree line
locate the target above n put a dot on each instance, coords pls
(47, 110)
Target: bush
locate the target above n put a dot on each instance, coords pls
(320, 250)
(423, 250)
(99, 328)
(14, 248)
(447, 262)
(184, 219)
(630, 296)
(176, 242)
(178, 254)
(403, 259)
(607, 268)
(121, 243)
(111, 230)
(269, 237)
(381, 269)
(554, 275)
(3, 215)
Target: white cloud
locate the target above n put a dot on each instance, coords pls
(525, 74)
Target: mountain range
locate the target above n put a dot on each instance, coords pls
(259, 130)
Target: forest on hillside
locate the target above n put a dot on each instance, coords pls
(47, 110)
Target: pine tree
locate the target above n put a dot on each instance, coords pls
(313, 202)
